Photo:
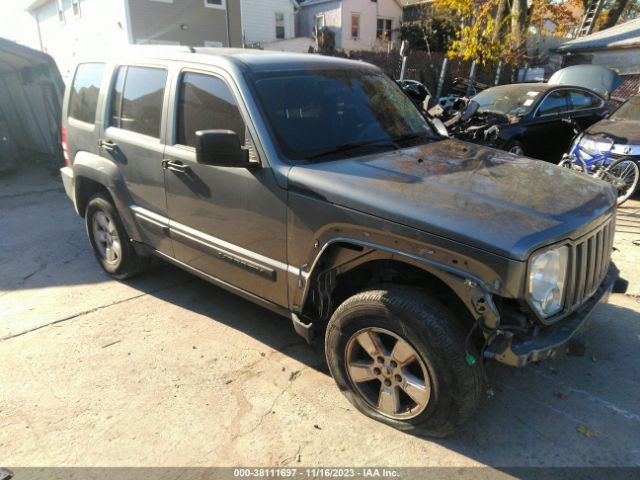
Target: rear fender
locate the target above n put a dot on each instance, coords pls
(94, 167)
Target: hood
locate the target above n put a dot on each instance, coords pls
(475, 195)
(625, 132)
(601, 80)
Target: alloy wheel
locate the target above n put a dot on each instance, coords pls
(388, 373)
(106, 237)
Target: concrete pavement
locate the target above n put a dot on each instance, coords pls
(167, 370)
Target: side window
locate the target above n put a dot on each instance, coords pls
(85, 91)
(581, 100)
(555, 102)
(136, 100)
(206, 103)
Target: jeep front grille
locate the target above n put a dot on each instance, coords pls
(589, 263)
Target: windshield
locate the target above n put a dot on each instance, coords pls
(329, 114)
(513, 100)
(630, 110)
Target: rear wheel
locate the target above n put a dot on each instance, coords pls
(399, 357)
(110, 241)
(623, 174)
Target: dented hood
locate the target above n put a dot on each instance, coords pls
(482, 197)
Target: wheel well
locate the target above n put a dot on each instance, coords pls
(376, 274)
(85, 189)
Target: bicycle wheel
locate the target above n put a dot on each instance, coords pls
(623, 174)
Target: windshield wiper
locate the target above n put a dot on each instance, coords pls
(415, 136)
(345, 147)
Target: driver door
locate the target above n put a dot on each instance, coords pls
(226, 222)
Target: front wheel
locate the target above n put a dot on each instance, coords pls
(399, 357)
(623, 174)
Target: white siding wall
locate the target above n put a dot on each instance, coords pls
(259, 20)
(369, 13)
(102, 27)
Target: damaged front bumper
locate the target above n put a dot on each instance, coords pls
(517, 350)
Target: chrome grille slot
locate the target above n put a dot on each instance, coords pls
(590, 257)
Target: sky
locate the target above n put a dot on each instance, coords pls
(16, 24)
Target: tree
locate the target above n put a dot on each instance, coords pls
(619, 10)
(492, 30)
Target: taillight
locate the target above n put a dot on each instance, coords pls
(65, 148)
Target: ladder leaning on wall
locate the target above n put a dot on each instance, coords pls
(591, 14)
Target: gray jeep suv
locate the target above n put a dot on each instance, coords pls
(314, 187)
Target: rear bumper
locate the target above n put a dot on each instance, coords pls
(68, 181)
(518, 350)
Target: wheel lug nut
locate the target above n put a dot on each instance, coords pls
(376, 371)
(393, 364)
(398, 378)
(387, 382)
(380, 360)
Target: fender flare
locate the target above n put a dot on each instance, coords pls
(470, 289)
(106, 173)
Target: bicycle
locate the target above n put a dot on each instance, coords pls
(623, 173)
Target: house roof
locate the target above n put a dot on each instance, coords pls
(33, 4)
(625, 35)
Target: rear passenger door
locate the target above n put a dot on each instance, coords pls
(132, 139)
(227, 222)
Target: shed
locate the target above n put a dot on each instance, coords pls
(31, 91)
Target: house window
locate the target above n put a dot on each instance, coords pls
(383, 28)
(318, 22)
(60, 11)
(355, 26)
(280, 25)
(75, 4)
(214, 3)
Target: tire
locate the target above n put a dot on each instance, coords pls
(438, 343)
(109, 240)
(515, 147)
(625, 170)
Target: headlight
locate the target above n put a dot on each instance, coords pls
(547, 274)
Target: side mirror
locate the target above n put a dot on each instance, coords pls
(221, 148)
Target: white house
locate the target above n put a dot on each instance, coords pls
(69, 29)
(357, 24)
(266, 21)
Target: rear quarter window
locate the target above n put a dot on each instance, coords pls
(85, 91)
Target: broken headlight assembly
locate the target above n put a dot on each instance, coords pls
(546, 282)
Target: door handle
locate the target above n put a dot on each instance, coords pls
(175, 166)
(109, 145)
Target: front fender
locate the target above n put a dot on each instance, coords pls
(464, 275)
